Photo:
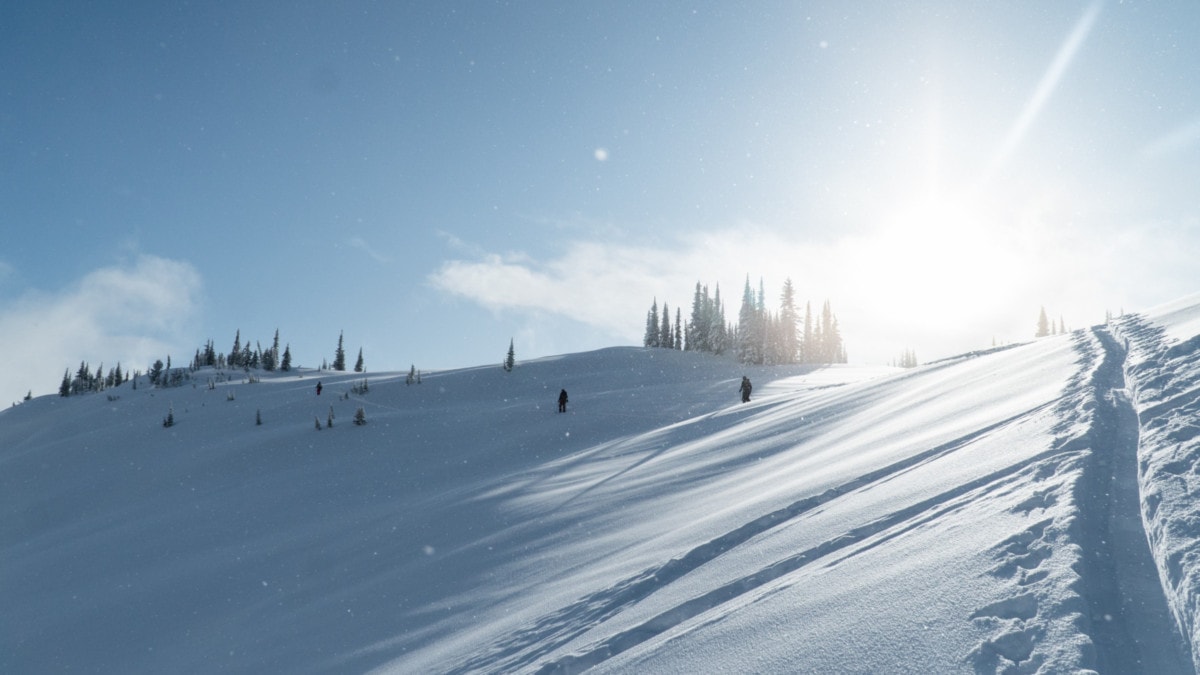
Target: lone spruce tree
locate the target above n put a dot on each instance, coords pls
(511, 359)
(339, 357)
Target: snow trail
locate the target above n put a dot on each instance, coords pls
(1164, 371)
(1132, 626)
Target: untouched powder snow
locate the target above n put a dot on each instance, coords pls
(1019, 510)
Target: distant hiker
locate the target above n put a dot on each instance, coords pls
(318, 387)
(562, 401)
(746, 387)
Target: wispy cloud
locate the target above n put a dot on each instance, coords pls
(362, 245)
(938, 295)
(131, 314)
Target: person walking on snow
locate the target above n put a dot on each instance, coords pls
(562, 401)
(746, 387)
(318, 387)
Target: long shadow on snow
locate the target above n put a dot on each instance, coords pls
(923, 511)
(557, 629)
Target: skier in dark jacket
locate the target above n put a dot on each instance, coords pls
(318, 388)
(562, 401)
(746, 387)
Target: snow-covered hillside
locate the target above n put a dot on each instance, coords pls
(1019, 510)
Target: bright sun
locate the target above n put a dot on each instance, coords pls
(939, 262)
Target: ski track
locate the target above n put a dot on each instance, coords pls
(1127, 616)
(1166, 394)
(1128, 611)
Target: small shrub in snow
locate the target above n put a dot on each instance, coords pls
(360, 416)
(169, 420)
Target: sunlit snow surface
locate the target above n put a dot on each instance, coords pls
(978, 515)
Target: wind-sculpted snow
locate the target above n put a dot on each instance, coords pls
(1165, 371)
(982, 514)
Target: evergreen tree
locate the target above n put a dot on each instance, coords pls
(286, 363)
(698, 326)
(339, 357)
(510, 361)
(789, 347)
(807, 342)
(358, 365)
(64, 389)
(156, 371)
(678, 330)
(1043, 325)
(235, 354)
(750, 338)
(716, 323)
(651, 337)
(412, 375)
(275, 351)
(665, 339)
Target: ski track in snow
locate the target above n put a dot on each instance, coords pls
(1067, 498)
(1122, 604)
(1166, 392)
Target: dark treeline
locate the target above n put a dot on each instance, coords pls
(760, 335)
(241, 356)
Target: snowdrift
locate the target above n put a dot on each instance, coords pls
(1026, 509)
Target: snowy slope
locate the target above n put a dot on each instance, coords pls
(980, 514)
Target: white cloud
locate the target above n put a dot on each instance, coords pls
(362, 245)
(128, 314)
(942, 290)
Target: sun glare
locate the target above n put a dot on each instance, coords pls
(937, 262)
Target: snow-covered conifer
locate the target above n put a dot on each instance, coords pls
(650, 339)
(339, 357)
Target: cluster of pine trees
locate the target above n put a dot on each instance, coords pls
(85, 380)
(760, 336)
(1047, 326)
(240, 356)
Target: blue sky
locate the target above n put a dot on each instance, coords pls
(434, 179)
